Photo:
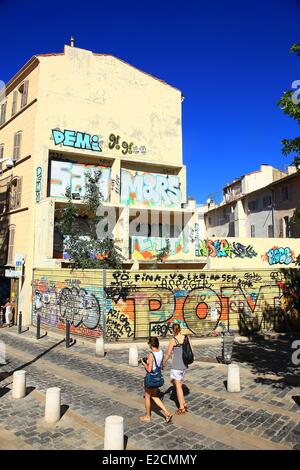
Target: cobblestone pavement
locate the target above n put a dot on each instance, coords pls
(264, 415)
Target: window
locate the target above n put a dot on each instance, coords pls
(270, 231)
(285, 193)
(267, 201)
(253, 231)
(14, 104)
(287, 226)
(17, 145)
(209, 220)
(23, 90)
(11, 240)
(1, 150)
(14, 194)
(252, 205)
(3, 113)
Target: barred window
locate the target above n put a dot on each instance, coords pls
(17, 145)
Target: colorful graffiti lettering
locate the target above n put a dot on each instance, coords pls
(78, 140)
(224, 248)
(279, 255)
(150, 189)
(38, 184)
(73, 175)
(148, 247)
(138, 304)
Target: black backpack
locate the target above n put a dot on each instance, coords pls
(187, 353)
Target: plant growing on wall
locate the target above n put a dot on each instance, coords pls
(84, 247)
(163, 253)
(290, 105)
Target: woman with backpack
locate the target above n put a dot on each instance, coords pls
(178, 366)
(153, 380)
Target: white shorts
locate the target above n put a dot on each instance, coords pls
(177, 374)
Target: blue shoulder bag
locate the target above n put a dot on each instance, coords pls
(154, 379)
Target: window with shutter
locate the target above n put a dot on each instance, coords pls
(281, 228)
(24, 93)
(3, 113)
(15, 189)
(11, 240)
(252, 230)
(1, 150)
(17, 145)
(15, 102)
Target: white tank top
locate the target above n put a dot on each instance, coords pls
(158, 356)
(8, 310)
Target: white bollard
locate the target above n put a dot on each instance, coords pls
(19, 384)
(133, 356)
(2, 353)
(100, 346)
(114, 433)
(52, 406)
(233, 378)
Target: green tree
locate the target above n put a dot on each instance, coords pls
(290, 105)
(86, 250)
(163, 253)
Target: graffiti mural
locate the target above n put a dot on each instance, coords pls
(279, 255)
(142, 303)
(150, 189)
(77, 140)
(114, 143)
(38, 184)
(148, 247)
(224, 248)
(73, 175)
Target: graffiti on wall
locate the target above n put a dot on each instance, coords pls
(77, 140)
(150, 189)
(58, 301)
(114, 143)
(148, 247)
(38, 183)
(73, 175)
(143, 303)
(279, 255)
(224, 248)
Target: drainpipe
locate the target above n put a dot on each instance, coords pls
(273, 220)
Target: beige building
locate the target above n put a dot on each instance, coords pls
(77, 110)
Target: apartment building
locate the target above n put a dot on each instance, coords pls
(65, 113)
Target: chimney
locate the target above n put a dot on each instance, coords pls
(72, 41)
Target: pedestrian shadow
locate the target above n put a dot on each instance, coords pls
(225, 384)
(173, 394)
(125, 442)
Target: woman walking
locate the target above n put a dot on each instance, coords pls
(153, 363)
(178, 367)
(8, 311)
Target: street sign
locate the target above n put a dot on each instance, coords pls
(19, 261)
(13, 273)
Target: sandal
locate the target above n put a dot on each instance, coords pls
(168, 418)
(186, 407)
(145, 419)
(180, 411)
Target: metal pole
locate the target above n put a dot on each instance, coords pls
(38, 326)
(67, 334)
(20, 323)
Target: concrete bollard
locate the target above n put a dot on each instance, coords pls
(52, 406)
(133, 356)
(100, 346)
(114, 433)
(233, 378)
(19, 384)
(2, 353)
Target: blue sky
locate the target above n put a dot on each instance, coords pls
(230, 59)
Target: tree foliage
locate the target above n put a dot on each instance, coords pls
(85, 248)
(290, 105)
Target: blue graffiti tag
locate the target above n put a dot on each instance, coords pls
(75, 139)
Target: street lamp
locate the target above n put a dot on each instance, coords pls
(9, 163)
